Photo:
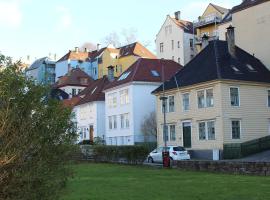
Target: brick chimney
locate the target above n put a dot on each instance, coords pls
(205, 41)
(177, 15)
(111, 73)
(231, 40)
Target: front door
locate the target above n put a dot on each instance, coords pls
(187, 134)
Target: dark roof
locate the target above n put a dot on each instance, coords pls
(70, 103)
(247, 4)
(74, 77)
(211, 65)
(36, 64)
(143, 69)
(94, 92)
(96, 53)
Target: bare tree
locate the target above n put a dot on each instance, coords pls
(112, 38)
(149, 126)
(129, 36)
(89, 46)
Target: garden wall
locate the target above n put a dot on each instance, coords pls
(231, 167)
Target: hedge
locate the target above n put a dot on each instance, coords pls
(129, 154)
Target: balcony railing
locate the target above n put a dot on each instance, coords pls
(213, 36)
(210, 19)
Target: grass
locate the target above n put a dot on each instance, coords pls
(118, 182)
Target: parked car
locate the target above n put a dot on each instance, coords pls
(176, 153)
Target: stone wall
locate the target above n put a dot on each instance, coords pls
(231, 167)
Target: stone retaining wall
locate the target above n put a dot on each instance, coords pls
(232, 167)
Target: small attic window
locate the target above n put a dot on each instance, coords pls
(235, 68)
(124, 76)
(155, 73)
(250, 68)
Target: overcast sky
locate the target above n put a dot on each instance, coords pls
(40, 27)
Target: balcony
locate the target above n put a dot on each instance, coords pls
(204, 21)
(198, 39)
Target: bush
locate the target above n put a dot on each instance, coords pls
(130, 154)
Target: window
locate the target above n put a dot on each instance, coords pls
(115, 122)
(171, 103)
(207, 130)
(235, 68)
(234, 93)
(172, 133)
(268, 98)
(236, 129)
(73, 92)
(164, 105)
(112, 100)
(173, 58)
(165, 133)
(124, 98)
(178, 44)
(172, 44)
(191, 43)
(110, 122)
(179, 60)
(209, 98)
(185, 98)
(168, 29)
(84, 81)
(125, 120)
(200, 95)
(250, 68)
(124, 76)
(205, 98)
(155, 73)
(79, 90)
(161, 47)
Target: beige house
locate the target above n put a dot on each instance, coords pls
(222, 96)
(252, 21)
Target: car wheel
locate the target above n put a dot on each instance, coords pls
(150, 160)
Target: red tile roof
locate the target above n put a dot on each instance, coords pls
(135, 49)
(94, 92)
(145, 69)
(70, 103)
(73, 55)
(75, 77)
(185, 25)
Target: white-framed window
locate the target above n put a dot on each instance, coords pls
(209, 98)
(205, 98)
(124, 97)
(113, 122)
(112, 100)
(171, 103)
(172, 44)
(124, 120)
(178, 44)
(268, 99)
(169, 134)
(207, 130)
(185, 98)
(161, 47)
(200, 96)
(168, 29)
(236, 128)
(234, 95)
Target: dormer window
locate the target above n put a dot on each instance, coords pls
(250, 68)
(83, 81)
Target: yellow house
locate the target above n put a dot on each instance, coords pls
(207, 24)
(221, 97)
(121, 58)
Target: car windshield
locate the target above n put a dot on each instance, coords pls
(178, 148)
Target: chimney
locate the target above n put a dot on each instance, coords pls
(177, 15)
(85, 50)
(98, 45)
(77, 49)
(205, 41)
(231, 40)
(55, 57)
(111, 73)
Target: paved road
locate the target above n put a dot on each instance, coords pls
(259, 157)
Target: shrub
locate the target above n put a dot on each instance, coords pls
(130, 154)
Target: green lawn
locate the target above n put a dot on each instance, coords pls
(118, 182)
